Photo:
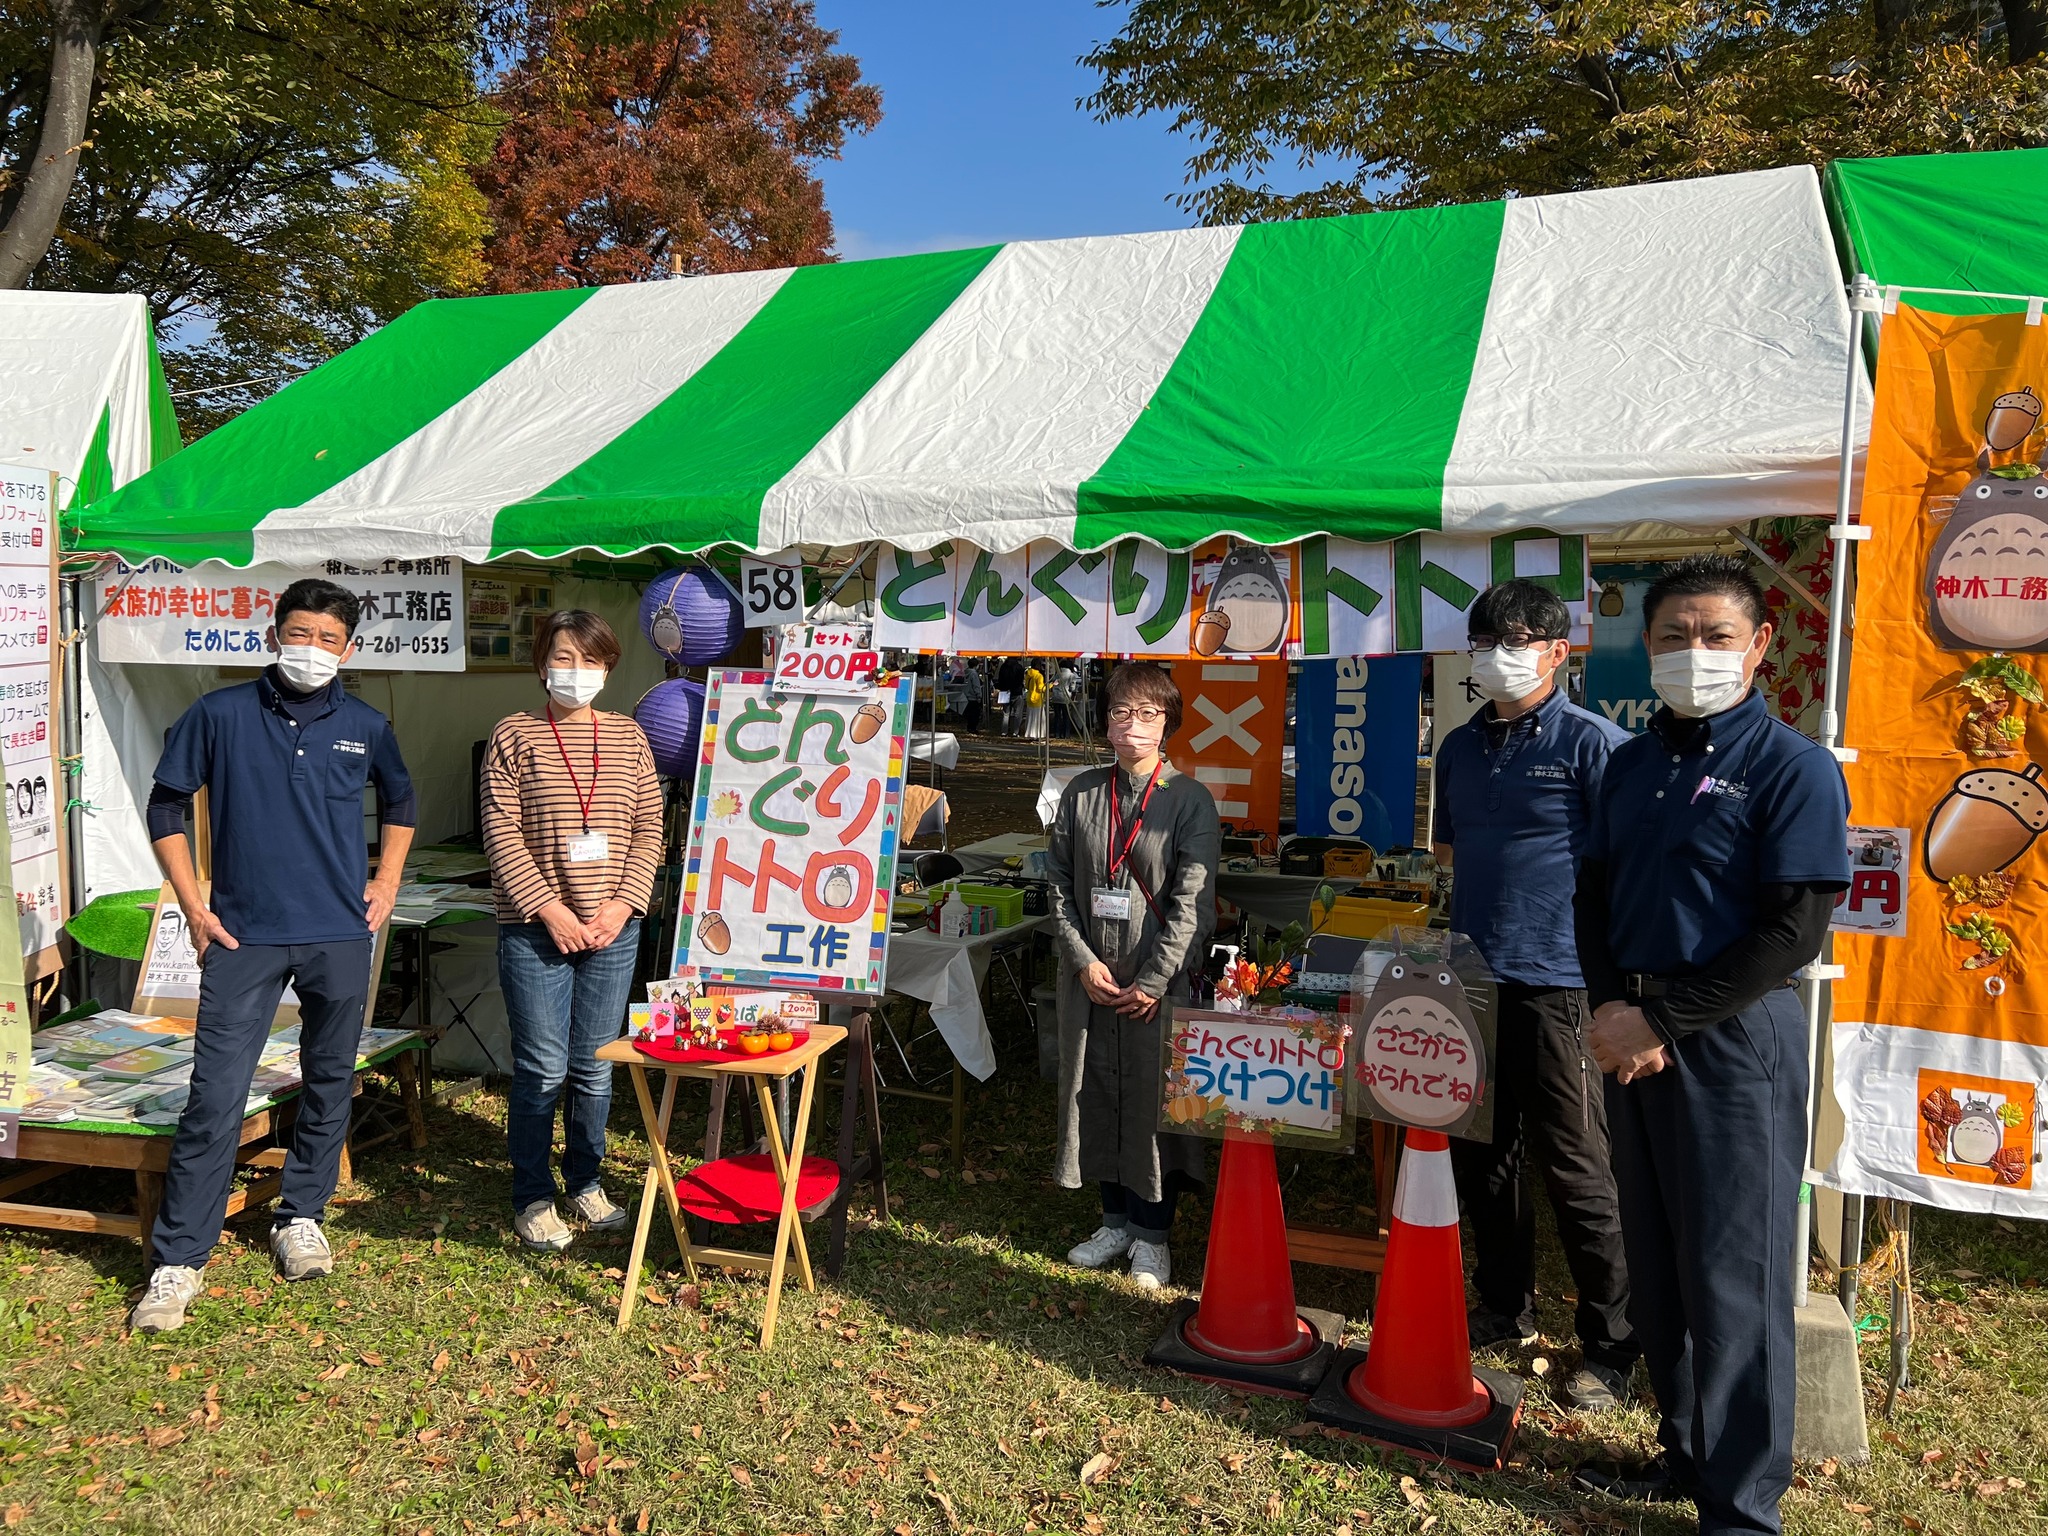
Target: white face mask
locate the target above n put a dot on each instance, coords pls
(1505, 676)
(1696, 683)
(574, 687)
(307, 667)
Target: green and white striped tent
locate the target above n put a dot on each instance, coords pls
(1670, 352)
(82, 391)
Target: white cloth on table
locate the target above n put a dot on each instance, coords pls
(994, 852)
(946, 975)
(943, 748)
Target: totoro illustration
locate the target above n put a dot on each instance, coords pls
(837, 892)
(665, 630)
(1419, 1024)
(1987, 577)
(1247, 608)
(1977, 1137)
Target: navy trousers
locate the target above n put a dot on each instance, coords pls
(1708, 1155)
(239, 991)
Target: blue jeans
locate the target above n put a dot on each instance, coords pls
(561, 1008)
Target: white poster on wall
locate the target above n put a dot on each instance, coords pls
(213, 614)
(28, 724)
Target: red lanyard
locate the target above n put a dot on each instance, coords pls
(1117, 859)
(583, 802)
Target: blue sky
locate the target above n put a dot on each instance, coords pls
(981, 140)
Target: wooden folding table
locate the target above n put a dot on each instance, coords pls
(729, 1178)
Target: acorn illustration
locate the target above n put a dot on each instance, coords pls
(837, 890)
(1212, 629)
(1252, 597)
(712, 933)
(867, 720)
(1978, 1135)
(1986, 821)
(2012, 420)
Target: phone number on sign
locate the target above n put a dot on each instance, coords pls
(417, 645)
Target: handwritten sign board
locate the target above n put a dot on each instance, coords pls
(791, 865)
(826, 658)
(28, 722)
(16, 1024)
(1423, 1052)
(218, 615)
(1277, 1072)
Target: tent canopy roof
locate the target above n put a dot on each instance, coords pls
(1583, 362)
(1975, 221)
(81, 390)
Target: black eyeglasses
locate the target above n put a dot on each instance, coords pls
(1478, 643)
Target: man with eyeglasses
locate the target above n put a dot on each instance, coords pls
(1515, 788)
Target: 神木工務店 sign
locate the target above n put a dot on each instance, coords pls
(790, 874)
(221, 615)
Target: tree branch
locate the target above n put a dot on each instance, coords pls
(2026, 31)
(75, 37)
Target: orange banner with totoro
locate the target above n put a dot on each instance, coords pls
(1941, 1025)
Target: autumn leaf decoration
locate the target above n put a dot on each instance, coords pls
(1997, 686)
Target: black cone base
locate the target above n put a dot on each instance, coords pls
(1481, 1446)
(1292, 1378)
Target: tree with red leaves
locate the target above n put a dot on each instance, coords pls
(642, 139)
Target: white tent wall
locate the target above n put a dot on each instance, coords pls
(438, 717)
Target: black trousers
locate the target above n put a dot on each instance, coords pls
(239, 991)
(1708, 1155)
(1547, 1109)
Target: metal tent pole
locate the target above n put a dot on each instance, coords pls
(1864, 299)
(70, 738)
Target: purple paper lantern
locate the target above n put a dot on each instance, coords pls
(671, 714)
(691, 615)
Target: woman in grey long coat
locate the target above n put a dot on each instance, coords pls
(1133, 862)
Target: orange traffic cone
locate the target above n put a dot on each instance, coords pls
(1414, 1388)
(1246, 1330)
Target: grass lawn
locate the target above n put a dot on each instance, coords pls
(958, 1377)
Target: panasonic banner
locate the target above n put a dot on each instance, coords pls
(1356, 724)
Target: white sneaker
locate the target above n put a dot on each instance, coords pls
(1106, 1244)
(595, 1210)
(300, 1249)
(541, 1228)
(1151, 1265)
(172, 1289)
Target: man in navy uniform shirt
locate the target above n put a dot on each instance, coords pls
(1515, 791)
(1718, 844)
(285, 760)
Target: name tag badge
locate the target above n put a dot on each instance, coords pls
(1105, 902)
(590, 848)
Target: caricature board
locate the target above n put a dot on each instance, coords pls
(1276, 1072)
(169, 984)
(1423, 1047)
(794, 828)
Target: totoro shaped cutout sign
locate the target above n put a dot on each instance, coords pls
(1423, 1051)
(1987, 575)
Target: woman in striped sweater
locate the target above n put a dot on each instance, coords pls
(572, 824)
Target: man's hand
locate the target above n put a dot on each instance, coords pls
(1100, 986)
(1136, 1004)
(205, 930)
(564, 927)
(1623, 1043)
(607, 924)
(379, 897)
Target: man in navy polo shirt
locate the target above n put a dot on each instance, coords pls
(1515, 791)
(284, 760)
(1719, 842)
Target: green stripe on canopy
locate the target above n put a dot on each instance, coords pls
(204, 503)
(1950, 221)
(693, 471)
(1324, 381)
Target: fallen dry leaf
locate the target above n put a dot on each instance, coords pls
(1274, 1504)
(1929, 1458)
(741, 1475)
(587, 1454)
(371, 1358)
(930, 1173)
(440, 1363)
(167, 1435)
(1096, 1468)
(16, 1513)
(1232, 1463)
(1412, 1493)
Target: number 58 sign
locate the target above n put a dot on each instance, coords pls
(772, 590)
